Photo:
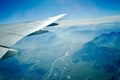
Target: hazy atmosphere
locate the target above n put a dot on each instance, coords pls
(84, 45)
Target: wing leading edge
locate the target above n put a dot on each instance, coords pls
(11, 34)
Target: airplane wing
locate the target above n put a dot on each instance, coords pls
(12, 33)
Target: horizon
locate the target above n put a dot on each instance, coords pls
(77, 21)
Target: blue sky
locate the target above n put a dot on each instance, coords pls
(25, 10)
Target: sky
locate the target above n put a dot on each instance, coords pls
(26, 10)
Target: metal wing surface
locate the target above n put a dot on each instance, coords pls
(12, 33)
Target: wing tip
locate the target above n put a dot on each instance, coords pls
(64, 14)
